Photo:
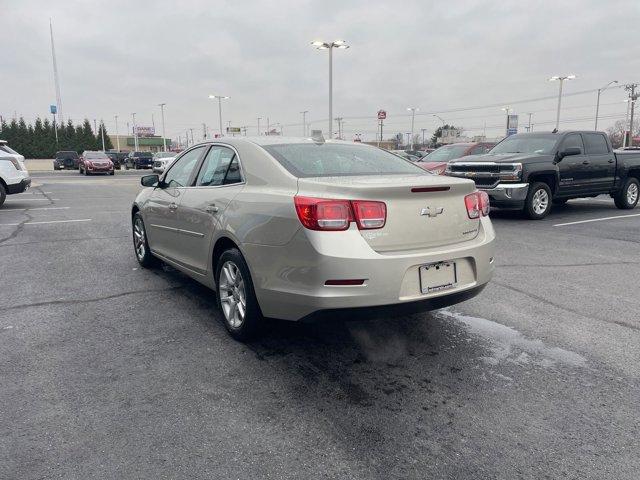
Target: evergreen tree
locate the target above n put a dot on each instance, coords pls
(87, 140)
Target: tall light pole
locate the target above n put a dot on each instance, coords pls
(600, 90)
(423, 130)
(117, 135)
(304, 122)
(259, 118)
(439, 118)
(164, 138)
(320, 45)
(135, 132)
(507, 109)
(220, 98)
(413, 118)
(560, 79)
(102, 133)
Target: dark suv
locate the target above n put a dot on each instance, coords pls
(66, 160)
(139, 160)
(117, 158)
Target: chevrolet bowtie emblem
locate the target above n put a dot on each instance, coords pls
(431, 212)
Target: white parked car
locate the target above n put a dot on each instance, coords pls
(295, 228)
(161, 160)
(14, 177)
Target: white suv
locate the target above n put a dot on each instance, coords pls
(14, 177)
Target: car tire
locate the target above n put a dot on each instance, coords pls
(126, 167)
(3, 194)
(537, 205)
(627, 197)
(86, 172)
(141, 243)
(234, 284)
(112, 172)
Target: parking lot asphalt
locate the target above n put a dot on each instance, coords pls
(108, 370)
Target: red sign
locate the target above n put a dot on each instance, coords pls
(382, 114)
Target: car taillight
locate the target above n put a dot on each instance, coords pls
(477, 204)
(336, 215)
(369, 214)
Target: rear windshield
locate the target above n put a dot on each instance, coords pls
(450, 152)
(67, 155)
(330, 160)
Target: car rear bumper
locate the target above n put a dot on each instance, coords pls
(290, 280)
(19, 187)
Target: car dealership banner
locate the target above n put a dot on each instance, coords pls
(145, 131)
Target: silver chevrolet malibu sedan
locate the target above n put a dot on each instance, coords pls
(300, 228)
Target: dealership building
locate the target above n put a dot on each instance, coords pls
(148, 141)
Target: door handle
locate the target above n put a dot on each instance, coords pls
(173, 206)
(586, 162)
(611, 160)
(211, 208)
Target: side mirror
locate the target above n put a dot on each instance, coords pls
(568, 152)
(150, 180)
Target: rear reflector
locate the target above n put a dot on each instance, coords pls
(336, 215)
(345, 282)
(430, 189)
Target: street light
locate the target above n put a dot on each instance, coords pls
(600, 90)
(320, 45)
(259, 118)
(164, 137)
(220, 98)
(117, 136)
(135, 132)
(413, 118)
(561, 79)
(440, 118)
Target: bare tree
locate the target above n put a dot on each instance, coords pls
(616, 133)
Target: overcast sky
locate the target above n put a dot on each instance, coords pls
(118, 57)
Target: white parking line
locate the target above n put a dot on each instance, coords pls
(31, 209)
(596, 220)
(45, 223)
(31, 199)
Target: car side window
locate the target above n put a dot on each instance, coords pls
(596, 144)
(220, 167)
(180, 172)
(571, 141)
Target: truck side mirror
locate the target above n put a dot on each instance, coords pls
(568, 152)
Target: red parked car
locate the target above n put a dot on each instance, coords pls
(436, 161)
(95, 162)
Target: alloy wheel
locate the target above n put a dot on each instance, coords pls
(540, 201)
(632, 193)
(139, 240)
(232, 294)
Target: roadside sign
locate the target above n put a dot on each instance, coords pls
(512, 124)
(233, 130)
(145, 131)
(382, 115)
(53, 109)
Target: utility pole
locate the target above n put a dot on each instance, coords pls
(135, 133)
(153, 123)
(117, 135)
(304, 123)
(339, 120)
(244, 130)
(268, 127)
(259, 118)
(423, 130)
(413, 118)
(631, 88)
(529, 126)
(164, 137)
(192, 142)
(102, 133)
(204, 131)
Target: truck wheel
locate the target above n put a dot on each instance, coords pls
(236, 296)
(627, 197)
(538, 202)
(3, 194)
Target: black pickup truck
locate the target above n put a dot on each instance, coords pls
(532, 171)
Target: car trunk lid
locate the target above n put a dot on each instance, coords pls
(423, 211)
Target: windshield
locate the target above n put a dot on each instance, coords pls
(164, 154)
(327, 160)
(540, 144)
(448, 152)
(94, 155)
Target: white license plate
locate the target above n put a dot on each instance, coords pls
(438, 276)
